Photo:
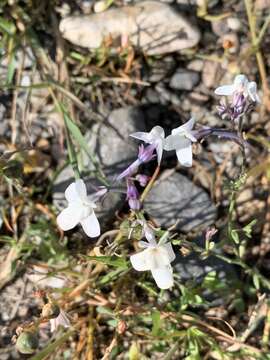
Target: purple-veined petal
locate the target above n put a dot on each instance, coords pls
(91, 225)
(144, 136)
(70, 217)
(225, 90)
(184, 153)
(140, 261)
(163, 277)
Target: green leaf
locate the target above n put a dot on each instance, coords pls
(7, 26)
(235, 236)
(248, 228)
(156, 322)
(256, 281)
(109, 260)
(76, 133)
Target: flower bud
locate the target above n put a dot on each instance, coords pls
(50, 310)
(142, 179)
(27, 342)
(121, 327)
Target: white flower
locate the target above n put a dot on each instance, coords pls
(155, 136)
(241, 85)
(181, 141)
(156, 258)
(60, 320)
(79, 210)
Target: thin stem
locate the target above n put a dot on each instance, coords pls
(254, 41)
(150, 184)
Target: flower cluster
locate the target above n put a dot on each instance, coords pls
(157, 257)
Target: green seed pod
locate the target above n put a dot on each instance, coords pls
(50, 311)
(27, 342)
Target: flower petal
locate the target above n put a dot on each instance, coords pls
(91, 225)
(169, 249)
(188, 125)
(157, 133)
(184, 153)
(140, 261)
(252, 91)
(163, 277)
(81, 189)
(69, 217)
(225, 90)
(172, 142)
(159, 150)
(240, 82)
(144, 136)
(71, 192)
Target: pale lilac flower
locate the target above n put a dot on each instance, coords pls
(133, 195)
(210, 232)
(145, 154)
(241, 85)
(154, 137)
(60, 320)
(181, 141)
(156, 258)
(80, 210)
(142, 179)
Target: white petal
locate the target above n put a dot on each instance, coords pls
(158, 257)
(169, 249)
(149, 234)
(163, 277)
(184, 153)
(157, 132)
(91, 225)
(159, 150)
(172, 142)
(71, 192)
(69, 217)
(225, 90)
(240, 82)
(252, 91)
(188, 125)
(144, 136)
(81, 189)
(140, 261)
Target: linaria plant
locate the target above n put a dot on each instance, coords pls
(142, 254)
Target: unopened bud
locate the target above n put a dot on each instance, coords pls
(27, 342)
(121, 327)
(50, 311)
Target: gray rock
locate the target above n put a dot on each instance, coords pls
(160, 69)
(177, 200)
(154, 27)
(110, 141)
(114, 150)
(184, 80)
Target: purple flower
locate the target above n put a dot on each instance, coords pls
(144, 155)
(133, 195)
(142, 179)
